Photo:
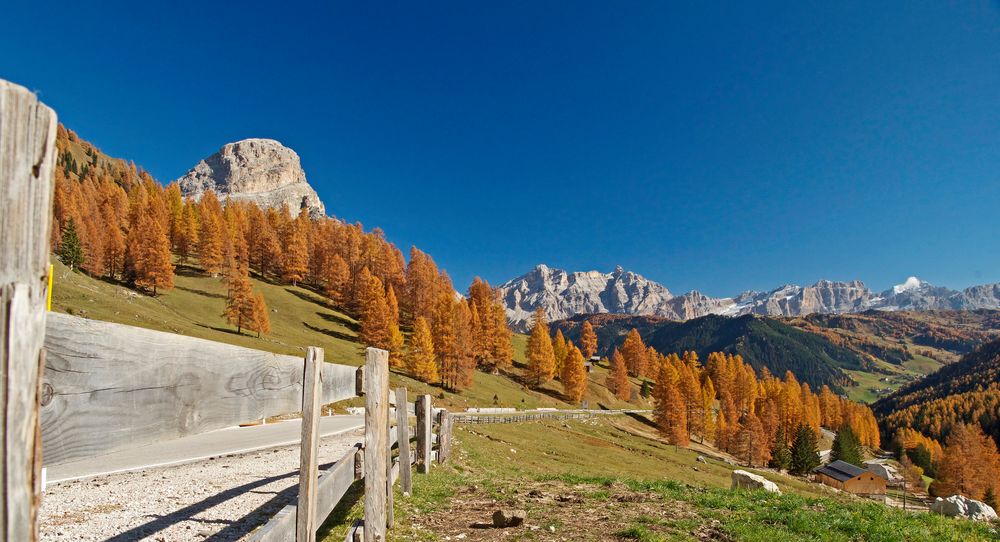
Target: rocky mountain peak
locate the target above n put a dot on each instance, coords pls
(260, 170)
(564, 294)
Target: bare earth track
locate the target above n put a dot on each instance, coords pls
(191, 502)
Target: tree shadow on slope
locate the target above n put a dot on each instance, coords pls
(331, 333)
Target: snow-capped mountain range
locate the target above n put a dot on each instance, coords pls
(564, 294)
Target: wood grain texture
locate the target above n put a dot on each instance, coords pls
(27, 158)
(444, 437)
(403, 432)
(110, 387)
(422, 409)
(309, 448)
(376, 442)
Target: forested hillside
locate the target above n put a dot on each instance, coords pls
(761, 341)
(967, 391)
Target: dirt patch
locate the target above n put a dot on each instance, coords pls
(558, 511)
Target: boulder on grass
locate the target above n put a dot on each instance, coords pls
(508, 518)
(748, 480)
(958, 506)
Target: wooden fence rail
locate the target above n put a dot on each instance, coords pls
(110, 386)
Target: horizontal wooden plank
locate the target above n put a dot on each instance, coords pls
(280, 528)
(334, 483)
(110, 387)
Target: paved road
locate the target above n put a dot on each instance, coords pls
(197, 447)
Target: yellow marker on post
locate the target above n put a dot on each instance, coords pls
(48, 295)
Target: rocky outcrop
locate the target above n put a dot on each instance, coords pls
(259, 170)
(748, 480)
(565, 294)
(963, 507)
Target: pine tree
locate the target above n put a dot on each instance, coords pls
(617, 380)
(70, 251)
(541, 357)
(805, 453)
(781, 456)
(574, 375)
(588, 340)
(846, 447)
(420, 360)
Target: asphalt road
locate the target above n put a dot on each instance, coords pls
(216, 443)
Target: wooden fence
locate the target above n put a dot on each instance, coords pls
(109, 387)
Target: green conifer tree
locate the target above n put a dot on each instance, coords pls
(70, 250)
(805, 453)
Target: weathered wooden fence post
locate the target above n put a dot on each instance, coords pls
(305, 521)
(403, 432)
(376, 380)
(389, 510)
(444, 436)
(422, 408)
(27, 157)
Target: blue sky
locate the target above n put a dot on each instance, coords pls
(710, 146)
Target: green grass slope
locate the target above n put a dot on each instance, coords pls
(609, 479)
(299, 318)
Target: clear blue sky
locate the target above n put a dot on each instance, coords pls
(710, 146)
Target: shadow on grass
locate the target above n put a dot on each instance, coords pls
(334, 318)
(331, 333)
(196, 291)
(343, 514)
(640, 418)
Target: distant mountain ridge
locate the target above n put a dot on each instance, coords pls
(565, 294)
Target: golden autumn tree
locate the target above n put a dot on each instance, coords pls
(210, 244)
(617, 380)
(261, 322)
(152, 266)
(588, 340)
(336, 278)
(376, 322)
(635, 353)
(420, 358)
(752, 444)
(559, 351)
(574, 375)
(295, 254)
(970, 465)
(669, 411)
(396, 345)
(541, 358)
(241, 304)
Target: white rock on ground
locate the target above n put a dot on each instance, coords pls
(963, 507)
(748, 480)
(223, 499)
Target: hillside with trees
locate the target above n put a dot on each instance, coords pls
(967, 391)
(762, 342)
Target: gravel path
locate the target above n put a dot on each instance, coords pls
(219, 500)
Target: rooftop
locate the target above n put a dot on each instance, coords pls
(841, 470)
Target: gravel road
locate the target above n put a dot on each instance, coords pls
(219, 500)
